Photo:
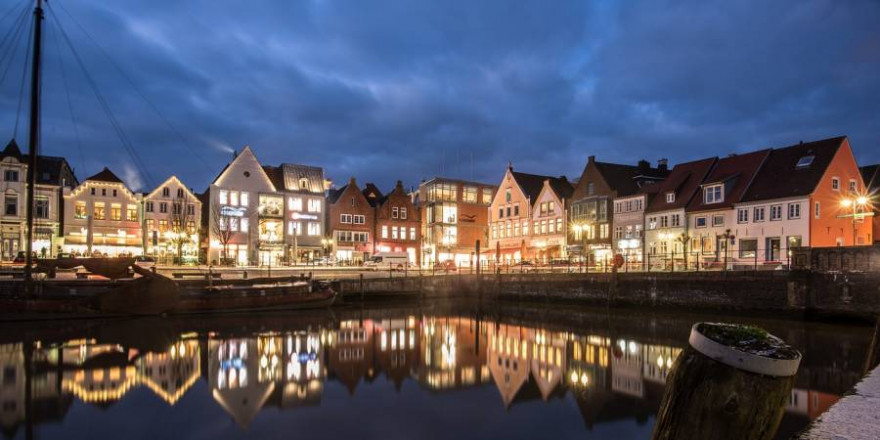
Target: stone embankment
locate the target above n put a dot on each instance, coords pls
(790, 293)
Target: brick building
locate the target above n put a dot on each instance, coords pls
(871, 177)
(454, 216)
(398, 226)
(350, 222)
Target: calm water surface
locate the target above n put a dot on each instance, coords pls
(434, 372)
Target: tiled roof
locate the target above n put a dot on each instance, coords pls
(781, 177)
(106, 176)
(293, 173)
(684, 180)
(532, 184)
(736, 172)
(625, 178)
(275, 175)
(12, 150)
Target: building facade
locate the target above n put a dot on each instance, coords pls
(711, 215)
(303, 192)
(454, 217)
(350, 223)
(53, 174)
(172, 222)
(102, 217)
(871, 177)
(245, 216)
(549, 226)
(398, 224)
(797, 199)
(511, 215)
(666, 226)
(591, 212)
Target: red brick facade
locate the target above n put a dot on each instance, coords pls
(350, 223)
(398, 224)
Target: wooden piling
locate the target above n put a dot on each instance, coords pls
(731, 382)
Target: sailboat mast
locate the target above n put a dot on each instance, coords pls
(33, 138)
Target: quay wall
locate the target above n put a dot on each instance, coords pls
(801, 293)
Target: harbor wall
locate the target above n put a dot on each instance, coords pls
(792, 293)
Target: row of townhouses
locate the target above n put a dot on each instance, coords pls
(742, 208)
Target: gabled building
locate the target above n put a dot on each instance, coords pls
(512, 220)
(350, 223)
(303, 189)
(172, 222)
(666, 226)
(398, 223)
(245, 216)
(102, 216)
(628, 216)
(711, 215)
(548, 220)
(53, 174)
(455, 216)
(871, 178)
(591, 209)
(797, 199)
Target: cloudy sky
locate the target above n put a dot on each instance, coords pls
(390, 89)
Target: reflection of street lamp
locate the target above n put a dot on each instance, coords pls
(855, 203)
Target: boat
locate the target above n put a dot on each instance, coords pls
(258, 296)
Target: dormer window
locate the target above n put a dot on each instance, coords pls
(304, 184)
(805, 161)
(713, 194)
(670, 197)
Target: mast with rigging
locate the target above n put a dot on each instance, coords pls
(33, 140)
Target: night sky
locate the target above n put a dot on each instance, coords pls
(390, 89)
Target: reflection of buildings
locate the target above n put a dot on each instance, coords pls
(233, 366)
(454, 353)
(350, 356)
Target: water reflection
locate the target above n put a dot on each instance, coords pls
(606, 375)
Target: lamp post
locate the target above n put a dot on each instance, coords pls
(854, 203)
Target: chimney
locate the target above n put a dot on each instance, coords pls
(663, 164)
(352, 181)
(644, 165)
(591, 159)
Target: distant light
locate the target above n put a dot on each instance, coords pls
(862, 200)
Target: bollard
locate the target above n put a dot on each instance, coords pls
(731, 382)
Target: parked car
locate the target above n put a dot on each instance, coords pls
(22, 256)
(447, 265)
(145, 261)
(386, 260)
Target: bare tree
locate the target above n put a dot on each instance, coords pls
(221, 227)
(182, 226)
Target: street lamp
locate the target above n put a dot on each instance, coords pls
(855, 202)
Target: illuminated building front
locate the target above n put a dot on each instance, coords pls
(102, 217)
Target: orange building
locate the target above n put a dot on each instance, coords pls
(871, 177)
(834, 201)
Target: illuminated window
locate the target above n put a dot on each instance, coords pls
(233, 198)
(384, 231)
(412, 233)
(469, 194)
(244, 199)
(244, 225)
(314, 205)
(79, 210)
(99, 213)
(132, 213)
(115, 211)
(393, 232)
(163, 226)
(294, 204)
(487, 196)
(314, 229)
(224, 197)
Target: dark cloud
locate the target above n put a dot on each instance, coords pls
(391, 90)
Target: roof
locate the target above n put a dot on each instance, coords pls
(12, 150)
(780, 176)
(293, 173)
(625, 179)
(871, 176)
(52, 171)
(440, 179)
(373, 194)
(737, 173)
(684, 180)
(276, 176)
(531, 184)
(106, 176)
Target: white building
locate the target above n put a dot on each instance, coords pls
(102, 217)
(245, 216)
(172, 219)
(302, 188)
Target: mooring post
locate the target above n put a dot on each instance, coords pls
(731, 382)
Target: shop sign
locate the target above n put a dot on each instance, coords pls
(300, 216)
(232, 211)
